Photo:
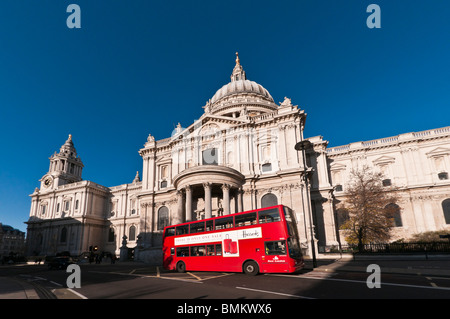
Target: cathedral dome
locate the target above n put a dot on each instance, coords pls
(241, 86)
(240, 94)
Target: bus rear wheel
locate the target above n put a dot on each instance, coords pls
(181, 266)
(251, 268)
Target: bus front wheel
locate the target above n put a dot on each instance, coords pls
(181, 267)
(251, 268)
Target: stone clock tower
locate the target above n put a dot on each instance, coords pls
(65, 167)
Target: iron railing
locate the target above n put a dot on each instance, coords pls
(389, 248)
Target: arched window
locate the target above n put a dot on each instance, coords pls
(132, 233)
(269, 200)
(163, 217)
(63, 237)
(394, 211)
(446, 210)
(342, 216)
(111, 235)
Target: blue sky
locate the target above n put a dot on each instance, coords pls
(138, 66)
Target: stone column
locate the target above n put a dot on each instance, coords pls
(208, 200)
(239, 200)
(226, 199)
(179, 217)
(188, 191)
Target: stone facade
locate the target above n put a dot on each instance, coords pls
(239, 155)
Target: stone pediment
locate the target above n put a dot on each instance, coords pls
(208, 125)
(337, 167)
(384, 160)
(438, 152)
(164, 159)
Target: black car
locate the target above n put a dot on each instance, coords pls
(60, 263)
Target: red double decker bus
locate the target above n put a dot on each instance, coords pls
(258, 241)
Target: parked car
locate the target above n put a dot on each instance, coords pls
(60, 263)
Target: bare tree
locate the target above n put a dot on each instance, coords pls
(370, 217)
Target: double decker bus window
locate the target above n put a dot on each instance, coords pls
(181, 230)
(170, 232)
(269, 215)
(198, 251)
(197, 227)
(224, 222)
(245, 219)
(275, 247)
(294, 247)
(210, 250)
(218, 249)
(209, 225)
(183, 252)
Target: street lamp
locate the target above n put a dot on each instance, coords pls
(302, 146)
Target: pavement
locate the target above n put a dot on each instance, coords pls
(12, 288)
(424, 265)
(439, 265)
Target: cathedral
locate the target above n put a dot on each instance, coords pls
(241, 154)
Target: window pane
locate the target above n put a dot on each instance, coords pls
(269, 215)
(269, 200)
(181, 230)
(197, 251)
(111, 235)
(170, 232)
(182, 251)
(210, 250)
(163, 217)
(132, 233)
(224, 222)
(245, 219)
(446, 209)
(197, 227)
(209, 225)
(275, 247)
(219, 250)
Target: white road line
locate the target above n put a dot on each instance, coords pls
(77, 293)
(274, 293)
(146, 276)
(196, 277)
(362, 282)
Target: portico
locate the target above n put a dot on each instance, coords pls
(198, 186)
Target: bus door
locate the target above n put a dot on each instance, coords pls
(275, 257)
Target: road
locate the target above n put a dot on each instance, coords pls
(140, 281)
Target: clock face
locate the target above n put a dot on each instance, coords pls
(48, 181)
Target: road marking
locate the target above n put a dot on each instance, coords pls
(274, 293)
(218, 276)
(146, 276)
(77, 293)
(197, 277)
(361, 282)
